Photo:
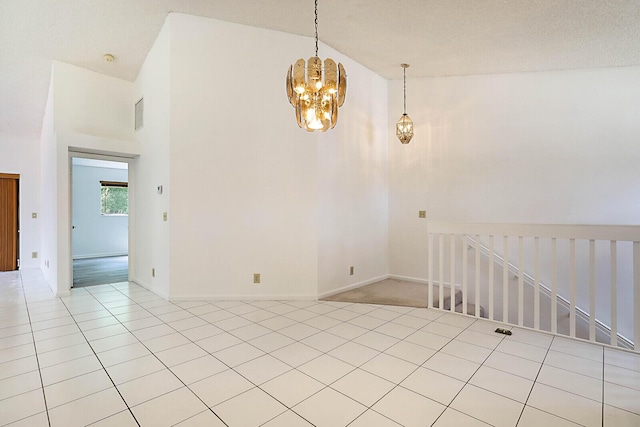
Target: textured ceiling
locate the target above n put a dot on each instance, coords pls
(437, 37)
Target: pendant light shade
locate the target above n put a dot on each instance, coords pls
(316, 89)
(404, 127)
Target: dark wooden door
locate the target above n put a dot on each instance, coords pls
(8, 222)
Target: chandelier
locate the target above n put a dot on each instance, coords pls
(404, 127)
(316, 90)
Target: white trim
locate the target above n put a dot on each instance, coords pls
(106, 255)
(545, 290)
(352, 286)
(150, 289)
(562, 231)
(423, 281)
(183, 298)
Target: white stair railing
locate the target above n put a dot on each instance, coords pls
(584, 253)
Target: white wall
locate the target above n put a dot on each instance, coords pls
(94, 234)
(90, 103)
(49, 191)
(243, 175)
(353, 204)
(87, 112)
(246, 190)
(152, 169)
(552, 147)
(555, 147)
(21, 155)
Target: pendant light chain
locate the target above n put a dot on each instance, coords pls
(404, 126)
(316, 21)
(404, 111)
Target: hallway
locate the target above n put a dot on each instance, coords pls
(100, 271)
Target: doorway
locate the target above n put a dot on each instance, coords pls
(9, 222)
(100, 221)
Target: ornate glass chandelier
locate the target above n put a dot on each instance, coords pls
(317, 90)
(404, 127)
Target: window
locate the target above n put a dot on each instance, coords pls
(114, 198)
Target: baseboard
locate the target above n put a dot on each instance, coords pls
(106, 255)
(150, 289)
(185, 298)
(408, 279)
(423, 281)
(61, 294)
(352, 286)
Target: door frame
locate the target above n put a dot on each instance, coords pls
(15, 176)
(131, 186)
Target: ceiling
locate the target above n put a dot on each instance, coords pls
(437, 37)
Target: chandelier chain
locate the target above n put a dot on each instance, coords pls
(405, 90)
(316, 21)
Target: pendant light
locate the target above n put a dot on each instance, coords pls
(404, 127)
(316, 90)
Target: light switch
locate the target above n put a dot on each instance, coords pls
(164, 216)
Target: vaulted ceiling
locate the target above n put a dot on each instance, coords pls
(437, 37)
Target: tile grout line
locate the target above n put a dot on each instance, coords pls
(564, 391)
(159, 360)
(379, 352)
(295, 341)
(328, 386)
(322, 352)
(448, 406)
(603, 380)
(535, 380)
(103, 368)
(44, 396)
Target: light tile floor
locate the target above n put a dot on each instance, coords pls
(118, 355)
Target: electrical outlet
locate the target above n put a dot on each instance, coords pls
(164, 216)
(153, 272)
(422, 214)
(256, 277)
(351, 270)
(34, 254)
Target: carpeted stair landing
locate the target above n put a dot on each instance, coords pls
(400, 292)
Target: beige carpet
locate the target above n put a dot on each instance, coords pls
(394, 292)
